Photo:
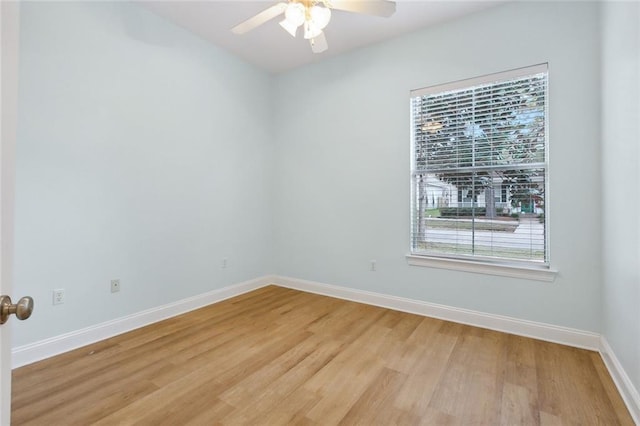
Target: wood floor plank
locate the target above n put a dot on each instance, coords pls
(277, 356)
(341, 386)
(290, 410)
(258, 385)
(417, 392)
(471, 386)
(402, 354)
(287, 390)
(521, 363)
(87, 401)
(208, 415)
(576, 396)
(374, 405)
(518, 406)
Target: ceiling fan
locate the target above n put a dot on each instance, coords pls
(313, 16)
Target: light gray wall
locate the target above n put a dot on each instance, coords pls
(342, 161)
(143, 154)
(621, 181)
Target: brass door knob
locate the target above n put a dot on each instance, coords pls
(22, 309)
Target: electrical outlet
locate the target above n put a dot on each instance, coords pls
(373, 265)
(58, 296)
(115, 286)
(224, 263)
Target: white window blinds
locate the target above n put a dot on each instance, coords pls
(479, 167)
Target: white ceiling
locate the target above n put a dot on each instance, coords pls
(273, 49)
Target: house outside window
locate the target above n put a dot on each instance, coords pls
(485, 141)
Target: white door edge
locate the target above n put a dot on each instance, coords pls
(9, 33)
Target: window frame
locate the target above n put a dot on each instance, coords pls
(517, 268)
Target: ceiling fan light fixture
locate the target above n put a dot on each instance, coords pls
(319, 44)
(295, 13)
(289, 27)
(320, 16)
(313, 16)
(311, 30)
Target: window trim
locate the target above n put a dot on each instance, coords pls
(477, 81)
(525, 269)
(541, 273)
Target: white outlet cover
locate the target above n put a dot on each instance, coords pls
(58, 296)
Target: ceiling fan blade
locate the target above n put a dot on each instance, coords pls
(260, 18)
(381, 8)
(319, 43)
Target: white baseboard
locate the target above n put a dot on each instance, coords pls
(536, 330)
(626, 388)
(27, 354)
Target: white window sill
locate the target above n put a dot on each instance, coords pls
(514, 271)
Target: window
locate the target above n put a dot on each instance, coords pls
(484, 139)
(503, 193)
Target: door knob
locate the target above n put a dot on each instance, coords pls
(22, 309)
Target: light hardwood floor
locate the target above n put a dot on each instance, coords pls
(279, 356)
